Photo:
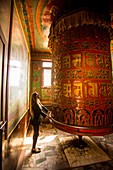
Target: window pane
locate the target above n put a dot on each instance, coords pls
(47, 77)
(47, 64)
(15, 70)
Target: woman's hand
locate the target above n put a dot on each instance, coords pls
(49, 115)
(49, 112)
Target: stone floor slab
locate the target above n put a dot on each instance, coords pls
(76, 157)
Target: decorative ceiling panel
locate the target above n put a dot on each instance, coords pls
(36, 20)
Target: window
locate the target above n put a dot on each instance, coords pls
(47, 64)
(46, 74)
(15, 70)
(46, 82)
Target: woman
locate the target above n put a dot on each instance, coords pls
(36, 109)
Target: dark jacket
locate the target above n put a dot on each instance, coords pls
(37, 113)
(37, 110)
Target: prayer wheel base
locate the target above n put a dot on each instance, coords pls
(83, 130)
(81, 144)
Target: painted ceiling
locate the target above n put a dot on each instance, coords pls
(36, 20)
(37, 16)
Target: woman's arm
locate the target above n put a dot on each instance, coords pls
(45, 109)
(43, 114)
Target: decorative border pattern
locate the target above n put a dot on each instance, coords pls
(81, 130)
(26, 16)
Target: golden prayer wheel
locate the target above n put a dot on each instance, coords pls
(82, 90)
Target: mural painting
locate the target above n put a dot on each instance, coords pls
(45, 92)
(18, 76)
(36, 72)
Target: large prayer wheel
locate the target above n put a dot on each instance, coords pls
(82, 90)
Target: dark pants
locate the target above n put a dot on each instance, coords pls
(35, 135)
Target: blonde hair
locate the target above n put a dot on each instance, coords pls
(33, 100)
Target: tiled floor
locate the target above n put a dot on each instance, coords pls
(59, 151)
